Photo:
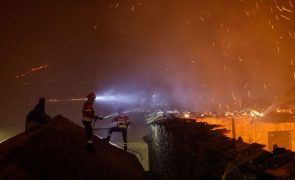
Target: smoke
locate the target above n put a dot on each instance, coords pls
(215, 55)
(198, 55)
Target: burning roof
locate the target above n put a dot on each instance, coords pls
(196, 150)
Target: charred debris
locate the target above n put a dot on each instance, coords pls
(182, 148)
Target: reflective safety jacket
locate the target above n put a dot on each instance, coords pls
(122, 120)
(88, 111)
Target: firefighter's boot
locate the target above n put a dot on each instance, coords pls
(107, 139)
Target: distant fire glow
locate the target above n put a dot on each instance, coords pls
(186, 115)
(31, 71)
(255, 113)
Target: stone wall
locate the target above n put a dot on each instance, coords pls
(172, 152)
(160, 152)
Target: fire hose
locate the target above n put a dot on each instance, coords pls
(100, 118)
(95, 119)
(108, 116)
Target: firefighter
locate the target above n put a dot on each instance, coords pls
(122, 123)
(88, 117)
(37, 117)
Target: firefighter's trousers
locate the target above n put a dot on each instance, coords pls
(88, 130)
(119, 129)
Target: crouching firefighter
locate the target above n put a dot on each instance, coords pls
(122, 123)
(37, 117)
(88, 117)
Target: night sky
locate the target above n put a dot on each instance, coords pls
(214, 55)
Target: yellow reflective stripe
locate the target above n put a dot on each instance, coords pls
(86, 119)
(122, 125)
(87, 109)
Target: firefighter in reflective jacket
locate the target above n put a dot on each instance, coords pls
(88, 117)
(122, 123)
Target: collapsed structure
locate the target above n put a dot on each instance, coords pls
(57, 151)
(185, 149)
(275, 128)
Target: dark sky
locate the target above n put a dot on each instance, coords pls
(203, 55)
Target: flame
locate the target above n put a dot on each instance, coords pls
(248, 125)
(255, 113)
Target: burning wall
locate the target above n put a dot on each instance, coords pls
(252, 130)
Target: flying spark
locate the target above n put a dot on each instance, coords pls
(285, 17)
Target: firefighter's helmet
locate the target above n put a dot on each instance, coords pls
(91, 96)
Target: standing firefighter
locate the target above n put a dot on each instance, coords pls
(122, 123)
(88, 117)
